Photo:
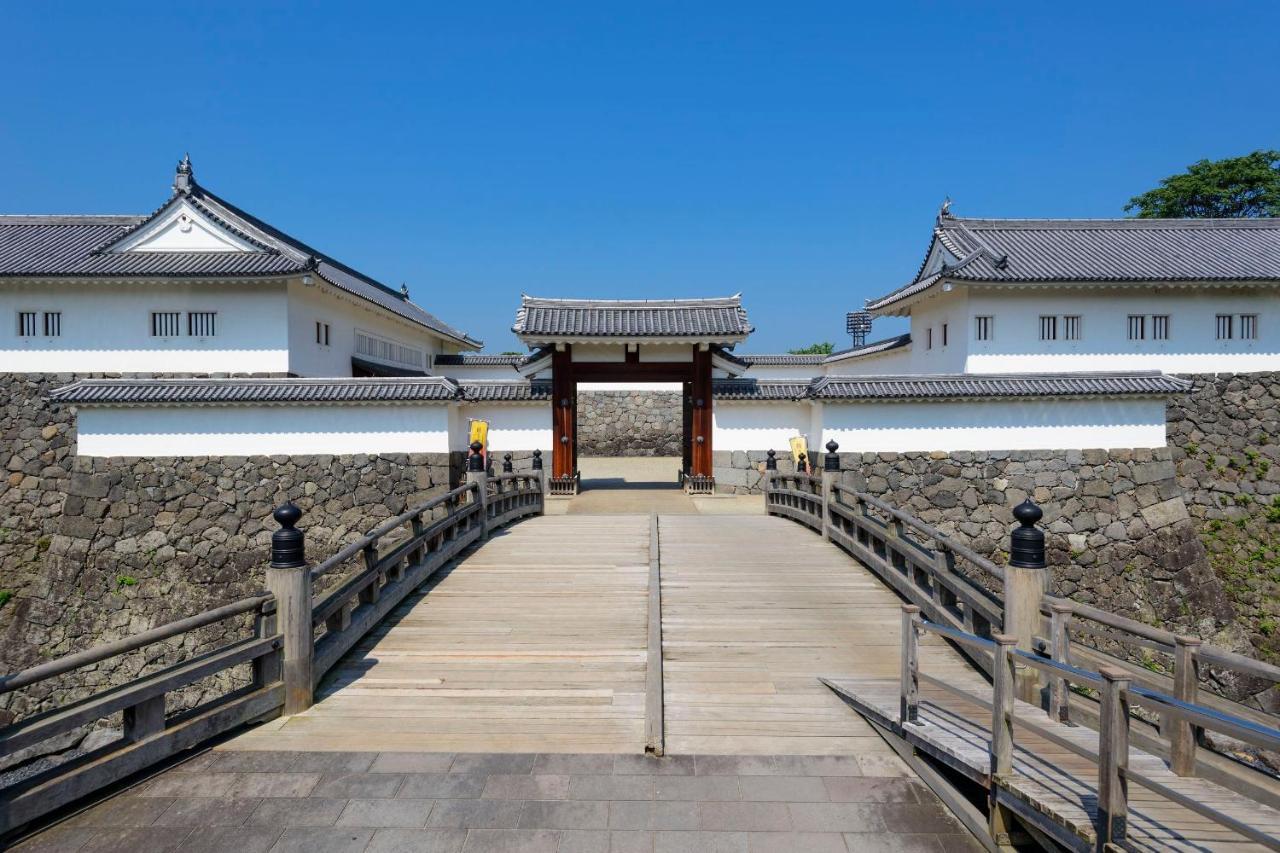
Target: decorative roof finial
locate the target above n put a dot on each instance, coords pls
(184, 178)
(945, 210)
(404, 290)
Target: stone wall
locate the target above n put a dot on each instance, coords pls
(630, 423)
(92, 549)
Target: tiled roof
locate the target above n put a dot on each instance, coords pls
(507, 392)
(873, 348)
(774, 359)
(759, 389)
(261, 391)
(971, 385)
(479, 359)
(721, 319)
(75, 247)
(1099, 250)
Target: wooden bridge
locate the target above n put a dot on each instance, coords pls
(775, 661)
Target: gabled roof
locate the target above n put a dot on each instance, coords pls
(721, 320)
(86, 247)
(965, 386)
(1095, 250)
(873, 348)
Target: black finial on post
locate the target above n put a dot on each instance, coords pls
(288, 544)
(802, 466)
(475, 462)
(771, 461)
(537, 460)
(831, 462)
(507, 467)
(1026, 543)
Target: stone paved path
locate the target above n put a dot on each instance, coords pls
(254, 802)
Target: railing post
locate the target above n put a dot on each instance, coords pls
(1186, 684)
(1025, 584)
(289, 580)
(1004, 677)
(1060, 652)
(770, 473)
(1113, 756)
(476, 475)
(266, 669)
(830, 473)
(909, 706)
(507, 467)
(542, 481)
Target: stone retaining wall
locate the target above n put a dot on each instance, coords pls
(630, 423)
(92, 549)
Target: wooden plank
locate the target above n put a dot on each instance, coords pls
(653, 709)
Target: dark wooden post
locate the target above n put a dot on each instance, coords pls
(686, 416)
(702, 419)
(564, 424)
(1025, 584)
(480, 478)
(1113, 757)
(1186, 684)
(507, 467)
(289, 580)
(1001, 821)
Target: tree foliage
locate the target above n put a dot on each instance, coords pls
(824, 348)
(1247, 186)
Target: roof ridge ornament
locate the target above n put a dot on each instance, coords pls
(404, 291)
(944, 212)
(184, 177)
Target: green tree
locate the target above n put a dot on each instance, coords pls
(824, 348)
(1247, 186)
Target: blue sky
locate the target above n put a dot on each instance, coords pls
(794, 152)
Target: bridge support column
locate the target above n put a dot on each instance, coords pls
(1026, 580)
(477, 475)
(830, 473)
(289, 580)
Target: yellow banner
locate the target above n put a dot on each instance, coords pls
(799, 446)
(480, 433)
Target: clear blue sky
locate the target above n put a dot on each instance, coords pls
(794, 152)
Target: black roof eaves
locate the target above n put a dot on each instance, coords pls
(85, 219)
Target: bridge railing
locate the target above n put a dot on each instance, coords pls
(959, 588)
(150, 733)
(296, 639)
(1117, 694)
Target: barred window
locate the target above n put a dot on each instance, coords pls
(387, 350)
(1248, 327)
(1048, 328)
(1225, 327)
(928, 338)
(166, 324)
(52, 324)
(322, 333)
(944, 334)
(202, 324)
(1071, 327)
(1159, 327)
(983, 327)
(1137, 327)
(26, 324)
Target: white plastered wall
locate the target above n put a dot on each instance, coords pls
(1192, 346)
(106, 327)
(994, 425)
(512, 426)
(262, 430)
(321, 302)
(750, 425)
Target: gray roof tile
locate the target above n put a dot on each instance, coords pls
(970, 385)
(721, 319)
(508, 392)
(479, 359)
(259, 391)
(1101, 250)
(759, 389)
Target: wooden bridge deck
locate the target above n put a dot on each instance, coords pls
(535, 642)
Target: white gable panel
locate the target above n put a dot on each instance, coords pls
(184, 229)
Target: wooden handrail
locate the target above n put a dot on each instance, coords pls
(97, 654)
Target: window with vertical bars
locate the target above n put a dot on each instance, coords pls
(928, 338)
(983, 327)
(26, 324)
(1048, 328)
(1225, 327)
(1159, 327)
(322, 333)
(944, 334)
(1248, 327)
(202, 324)
(1071, 327)
(166, 324)
(1137, 327)
(52, 324)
